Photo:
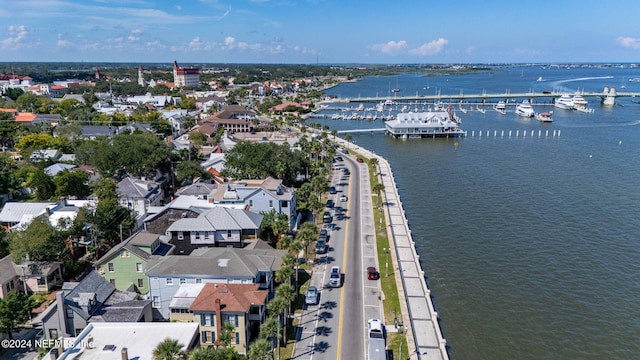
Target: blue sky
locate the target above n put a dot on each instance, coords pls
(330, 31)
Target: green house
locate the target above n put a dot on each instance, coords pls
(124, 265)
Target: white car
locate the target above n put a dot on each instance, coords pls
(343, 197)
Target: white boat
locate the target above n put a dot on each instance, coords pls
(500, 107)
(544, 116)
(579, 101)
(424, 124)
(524, 109)
(539, 79)
(564, 102)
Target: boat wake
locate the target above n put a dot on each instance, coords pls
(559, 82)
(632, 123)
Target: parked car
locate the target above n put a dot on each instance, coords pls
(335, 279)
(311, 296)
(360, 160)
(326, 217)
(333, 190)
(338, 158)
(343, 197)
(372, 273)
(321, 247)
(330, 203)
(346, 171)
(324, 235)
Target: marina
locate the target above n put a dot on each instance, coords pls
(506, 234)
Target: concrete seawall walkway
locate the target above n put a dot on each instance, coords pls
(424, 337)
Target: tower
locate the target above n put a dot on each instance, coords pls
(141, 81)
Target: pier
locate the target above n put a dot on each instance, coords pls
(607, 96)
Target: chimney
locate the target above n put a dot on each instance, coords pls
(61, 314)
(124, 353)
(218, 309)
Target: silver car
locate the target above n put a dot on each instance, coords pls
(311, 297)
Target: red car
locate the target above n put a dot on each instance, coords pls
(360, 160)
(372, 273)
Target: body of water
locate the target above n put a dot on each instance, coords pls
(531, 245)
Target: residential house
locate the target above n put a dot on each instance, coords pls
(93, 299)
(116, 340)
(241, 305)
(138, 194)
(182, 300)
(55, 169)
(123, 266)
(234, 118)
(18, 215)
(45, 155)
(210, 265)
(37, 277)
(218, 226)
(259, 195)
(92, 132)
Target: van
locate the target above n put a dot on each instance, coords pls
(335, 279)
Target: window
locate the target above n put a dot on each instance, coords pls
(197, 235)
(169, 281)
(139, 267)
(78, 331)
(125, 254)
(70, 313)
(112, 282)
(237, 338)
(206, 319)
(183, 281)
(140, 283)
(53, 333)
(285, 204)
(251, 203)
(180, 235)
(111, 268)
(156, 302)
(198, 281)
(270, 203)
(204, 337)
(228, 233)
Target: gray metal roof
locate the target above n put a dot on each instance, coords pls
(217, 219)
(14, 211)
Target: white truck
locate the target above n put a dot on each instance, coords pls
(377, 341)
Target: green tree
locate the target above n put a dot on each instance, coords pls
(277, 306)
(15, 309)
(39, 241)
(348, 138)
(378, 188)
(307, 233)
(227, 334)
(72, 183)
(189, 170)
(43, 184)
(112, 222)
(260, 350)
(168, 349)
(287, 293)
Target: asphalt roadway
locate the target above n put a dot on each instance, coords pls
(336, 328)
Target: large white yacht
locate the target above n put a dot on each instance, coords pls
(524, 109)
(564, 102)
(579, 101)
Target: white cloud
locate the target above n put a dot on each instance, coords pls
(17, 36)
(391, 47)
(628, 42)
(430, 48)
(229, 40)
(62, 42)
(196, 44)
(246, 46)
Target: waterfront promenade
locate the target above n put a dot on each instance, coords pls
(424, 337)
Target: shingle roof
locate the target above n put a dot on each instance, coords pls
(217, 219)
(233, 297)
(91, 284)
(135, 188)
(231, 262)
(54, 169)
(131, 244)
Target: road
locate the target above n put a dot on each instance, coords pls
(336, 327)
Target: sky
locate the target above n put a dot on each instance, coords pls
(320, 31)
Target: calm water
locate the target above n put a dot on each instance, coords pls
(531, 245)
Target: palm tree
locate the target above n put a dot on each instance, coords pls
(168, 349)
(284, 274)
(347, 138)
(227, 334)
(306, 234)
(287, 293)
(334, 133)
(260, 350)
(277, 306)
(295, 248)
(378, 188)
(374, 163)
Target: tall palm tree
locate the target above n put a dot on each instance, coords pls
(295, 248)
(277, 306)
(284, 274)
(226, 335)
(260, 350)
(306, 234)
(374, 163)
(378, 188)
(348, 138)
(168, 349)
(287, 293)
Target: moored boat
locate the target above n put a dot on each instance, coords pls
(579, 101)
(524, 109)
(500, 107)
(564, 102)
(544, 116)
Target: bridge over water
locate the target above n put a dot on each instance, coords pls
(608, 96)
